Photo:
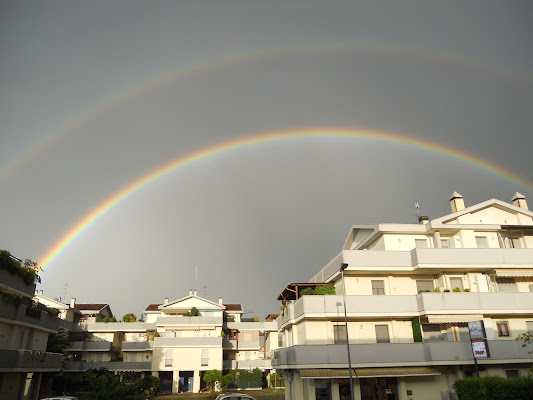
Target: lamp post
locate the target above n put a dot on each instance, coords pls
(343, 267)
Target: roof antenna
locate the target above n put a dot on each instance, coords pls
(417, 206)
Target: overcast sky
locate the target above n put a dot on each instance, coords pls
(121, 87)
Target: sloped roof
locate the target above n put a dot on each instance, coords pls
(153, 307)
(233, 307)
(89, 307)
(174, 303)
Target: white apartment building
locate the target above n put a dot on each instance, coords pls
(171, 343)
(411, 290)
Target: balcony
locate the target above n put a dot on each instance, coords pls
(137, 346)
(194, 321)
(394, 354)
(81, 366)
(35, 318)
(408, 306)
(16, 282)
(89, 346)
(240, 345)
(29, 361)
(464, 258)
(115, 327)
(187, 341)
(253, 326)
(247, 364)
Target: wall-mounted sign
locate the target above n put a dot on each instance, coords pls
(479, 348)
(476, 330)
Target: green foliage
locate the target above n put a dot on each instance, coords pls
(193, 312)
(456, 289)
(417, 332)
(243, 378)
(104, 385)
(10, 297)
(494, 388)
(467, 290)
(212, 376)
(256, 318)
(58, 342)
(277, 379)
(129, 317)
(282, 309)
(319, 290)
(114, 352)
(325, 290)
(226, 381)
(148, 384)
(527, 338)
(109, 319)
(436, 290)
(28, 272)
(446, 290)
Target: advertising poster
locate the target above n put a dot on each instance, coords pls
(476, 330)
(479, 348)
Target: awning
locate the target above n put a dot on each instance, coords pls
(325, 373)
(453, 318)
(367, 372)
(396, 371)
(514, 272)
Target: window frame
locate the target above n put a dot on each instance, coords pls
(503, 332)
(377, 289)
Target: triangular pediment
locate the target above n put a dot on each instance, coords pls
(186, 303)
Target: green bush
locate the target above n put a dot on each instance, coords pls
(277, 379)
(456, 289)
(28, 275)
(436, 290)
(494, 388)
(325, 290)
(10, 297)
(307, 292)
(417, 332)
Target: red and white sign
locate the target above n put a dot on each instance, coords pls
(479, 348)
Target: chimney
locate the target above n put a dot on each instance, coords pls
(195, 292)
(72, 302)
(220, 301)
(166, 300)
(190, 292)
(457, 202)
(423, 219)
(519, 200)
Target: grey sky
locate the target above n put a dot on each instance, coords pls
(254, 218)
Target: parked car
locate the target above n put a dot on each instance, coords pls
(235, 396)
(61, 398)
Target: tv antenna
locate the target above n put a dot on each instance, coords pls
(417, 206)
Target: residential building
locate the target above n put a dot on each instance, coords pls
(411, 290)
(178, 342)
(24, 331)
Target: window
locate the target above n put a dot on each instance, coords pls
(382, 334)
(168, 358)
(378, 287)
(339, 333)
(425, 285)
(511, 373)
(421, 243)
(456, 283)
(507, 285)
(205, 357)
(503, 328)
(482, 242)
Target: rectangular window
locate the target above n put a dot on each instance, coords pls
(424, 285)
(205, 357)
(382, 334)
(482, 242)
(512, 373)
(339, 333)
(456, 283)
(378, 287)
(507, 285)
(168, 358)
(503, 328)
(421, 243)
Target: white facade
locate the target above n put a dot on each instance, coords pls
(474, 264)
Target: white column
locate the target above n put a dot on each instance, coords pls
(335, 395)
(176, 382)
(356, 389)
(309, 387)
(196, 382)
(402, 389)
(298, 385)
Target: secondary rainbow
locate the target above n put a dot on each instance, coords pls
(283, 135)
(25, 156)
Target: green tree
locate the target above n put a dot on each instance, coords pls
(129, 317)
(211, 377)
(527, 338)
(226, 381)
(104, 385)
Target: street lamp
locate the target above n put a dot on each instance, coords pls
(343, 267)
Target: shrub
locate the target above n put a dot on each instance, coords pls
(276, 380)
(436, 290)
(325, 290)
(10, 297)
(307, 292)
(14, 267)
(211, 377)
(494, 388)
(417, 332)
(456, 289)
(193, 312)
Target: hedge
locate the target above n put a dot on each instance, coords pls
(494, 388)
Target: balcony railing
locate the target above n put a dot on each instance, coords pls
(89, 346)
(14, 281)
(137, 346)
(115, 327)
(28, 360)
(387, 354)
(112, 365)
(175, 320)
(187, 341)
(409, 306)
(240, 345)
(35, 318)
